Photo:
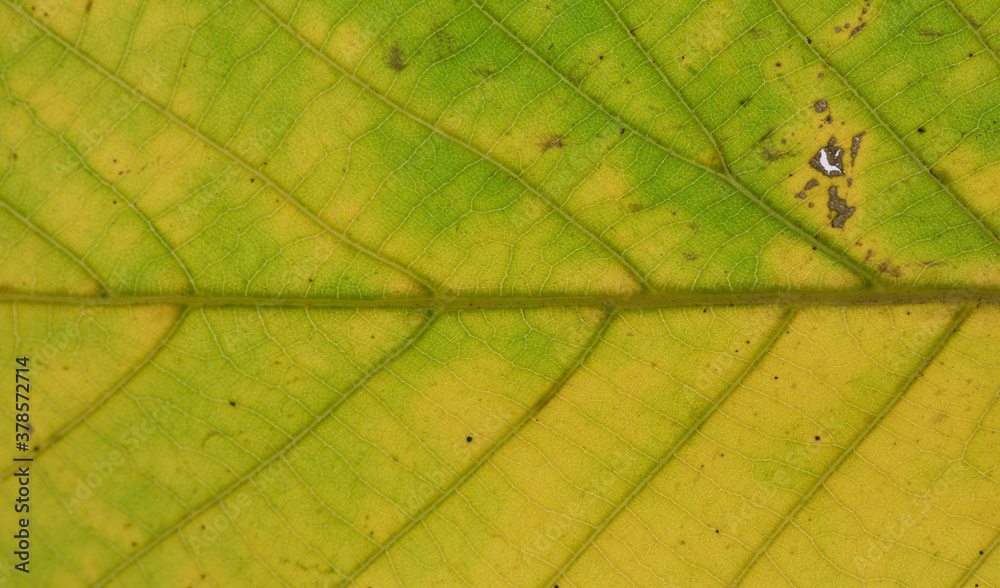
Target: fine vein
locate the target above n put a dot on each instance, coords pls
(848, 451)
(694, 428)
(595, 339)
(281, 451)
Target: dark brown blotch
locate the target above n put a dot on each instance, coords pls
(855, 146)
(552, 141)
(395, 58)
(839, 208)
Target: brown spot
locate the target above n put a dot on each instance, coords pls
(855, 146)
(889, 270)
(858, 28)
(811, 184)
(771, 154)
(394, 58)
(820, 105)
(90, 4)
(446, 43)
(483, 71)
(551, 142)
(688, 256)
(836, 29)
(841, 211)
(801, 195)
(930, 33)
(829, 119)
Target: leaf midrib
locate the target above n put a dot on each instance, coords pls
(890, 296)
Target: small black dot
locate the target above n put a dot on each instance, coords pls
(468, 439)
(716, 530)
(980, 553)
(231, 403)
(817, 437)
(921, 130)
(778, 64)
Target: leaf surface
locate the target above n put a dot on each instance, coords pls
(504, 293)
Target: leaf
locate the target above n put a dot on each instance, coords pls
(532, 294)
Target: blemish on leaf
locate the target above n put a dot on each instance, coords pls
(771, 154)
(888, 269)
(812, 183)
(839, 209)
(484, 72)
(829, 160)
(394, 58)
(820, 105)
(855, 146)
(551, 142)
